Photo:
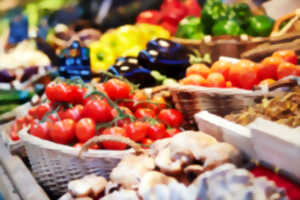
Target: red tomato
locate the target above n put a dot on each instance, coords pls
(173, 14)
(117, 89)
(136, 97)
(167, 4)
(62, 132)
(171, 117)
(156, 131)
(287, 55)
(158, 104)
(286, 69)
(200, 69)
(41, 110)
(149, 17)
(32, 111)
(114, 145)
(59, 92)
(98, 110)
(216, 80)
(142, 113)
(194, 79)
(79, 146)
(243, 74)
(126, 111)
(14, 132)
(222, 67)
(172, 131)
(137, 130)
(85, 129)
(53, 117)
(147, 142)
(74, 113)
(194, 9)
(268, 68)
(40, 130)
(78, 94)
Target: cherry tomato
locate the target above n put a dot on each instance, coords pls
(79, 146)
(41, 110)
(32, 111)
(114, 145)
(171, 117)
(216, 80)
(268, 68)
(267, 82)
(62, 132)
(98, 110)
(53, 117)
(78, 94)
(74, 113)
(126, 110)
(149, 17)
(117, 89)
(137, 130)
(222, 67)
(158, 104)
(156, 131)
(172, 131)
(287, 55)
(243, 74)
(136, 97)
(40, 130)
(286, 69)
(14, 132)
(142, 113)
(59, 92)
(85, 129)
(147, 142)
(200, 69)
(194, 79)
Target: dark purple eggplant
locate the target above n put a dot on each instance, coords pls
(28, 73)
(6, 77)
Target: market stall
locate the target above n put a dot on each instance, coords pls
(159, 100)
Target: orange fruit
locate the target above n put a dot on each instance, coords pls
(216, 80)
(200, 69)
(222, 67)
(194, 79)
(268, 81)
(286, 69)
(243, 74)
(287, 55)
(268, 68)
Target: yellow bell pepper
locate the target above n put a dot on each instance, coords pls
(127, 40)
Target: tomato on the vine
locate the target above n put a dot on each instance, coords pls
(135, 98)
(40, 130)
(171, 117)
(74, 113)
(78, 94)
(143, 113)
(85, 129)
(98, 110)
(156, 131)
(60, 92)
(117, 89)
(114, 145)
(62, 132)
(41, 110)
(137, 130)
(158, 104)
(125, 110)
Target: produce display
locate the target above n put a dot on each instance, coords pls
(283, 109)
(98, 107)
(243, 74)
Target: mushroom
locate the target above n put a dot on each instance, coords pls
(131, 169)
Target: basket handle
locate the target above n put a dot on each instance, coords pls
(294, 16)
(116, 138)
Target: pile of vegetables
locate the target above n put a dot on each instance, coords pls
(74, 114)
(127, 40)
(220, 19)
(170, 13)
(244, 74)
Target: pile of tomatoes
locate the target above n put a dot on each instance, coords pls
(71, 116)
(244, 74)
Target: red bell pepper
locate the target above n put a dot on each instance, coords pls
(149, 17)
(172, 28)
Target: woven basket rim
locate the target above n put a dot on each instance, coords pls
(49, 145)
(225, 91)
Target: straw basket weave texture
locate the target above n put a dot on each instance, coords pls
(54, 165)
(220, 101)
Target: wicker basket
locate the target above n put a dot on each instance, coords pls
(193, 99)
(54, 165)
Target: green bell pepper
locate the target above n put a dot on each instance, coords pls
(260, 25)
(191, 28)
(226, 27)
(242, 13)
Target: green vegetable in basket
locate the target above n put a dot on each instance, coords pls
(241, 13)
(191, 28)
(226, 27)
(260, 25)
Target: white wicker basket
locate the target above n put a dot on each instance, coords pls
(54, 165)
